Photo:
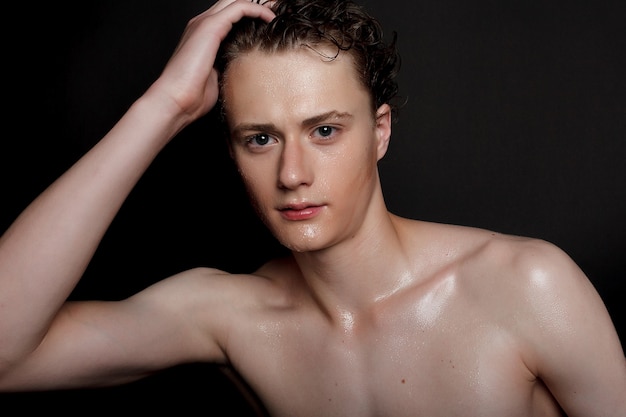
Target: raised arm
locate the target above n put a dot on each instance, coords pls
(46, 250)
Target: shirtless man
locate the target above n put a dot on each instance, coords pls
(370, 315)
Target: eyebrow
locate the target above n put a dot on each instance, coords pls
(333, 114)
(270, 127)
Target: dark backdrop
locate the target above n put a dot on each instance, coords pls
(515, 120)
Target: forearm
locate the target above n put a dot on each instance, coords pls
(46, 250)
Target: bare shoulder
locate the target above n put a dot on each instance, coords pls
(534, 265)
(531, 270)
(532, 259)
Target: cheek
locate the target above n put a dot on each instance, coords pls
(355, 167)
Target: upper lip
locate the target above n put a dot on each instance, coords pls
(297, 206)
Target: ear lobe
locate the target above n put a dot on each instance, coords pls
(383, 129)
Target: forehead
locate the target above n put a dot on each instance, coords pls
(321, 53)
(301, 80)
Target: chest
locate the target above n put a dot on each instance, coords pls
(395, 369)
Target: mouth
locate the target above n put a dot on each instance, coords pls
(298, 212)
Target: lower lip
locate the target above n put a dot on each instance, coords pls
(304, 214)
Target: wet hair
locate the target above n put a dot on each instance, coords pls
(341, 24)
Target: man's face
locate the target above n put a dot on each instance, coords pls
(306, 143)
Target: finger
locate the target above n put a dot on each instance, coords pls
(222, 15)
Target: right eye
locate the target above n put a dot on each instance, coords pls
(259, 141)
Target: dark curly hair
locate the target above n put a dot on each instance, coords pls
(340, 23)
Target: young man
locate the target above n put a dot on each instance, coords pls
(370, 315)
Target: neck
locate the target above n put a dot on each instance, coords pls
(355, 274)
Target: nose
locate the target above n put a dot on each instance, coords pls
(295, 166)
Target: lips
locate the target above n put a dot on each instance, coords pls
(297, 212)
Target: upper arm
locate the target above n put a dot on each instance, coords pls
(97, 343)
(573, 345)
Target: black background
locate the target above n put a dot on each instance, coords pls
(515, 121)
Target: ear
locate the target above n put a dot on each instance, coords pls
(383, 129)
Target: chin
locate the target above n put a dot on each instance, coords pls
(305, 237)
(302, 244)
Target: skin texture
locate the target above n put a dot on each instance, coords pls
(371, 315)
